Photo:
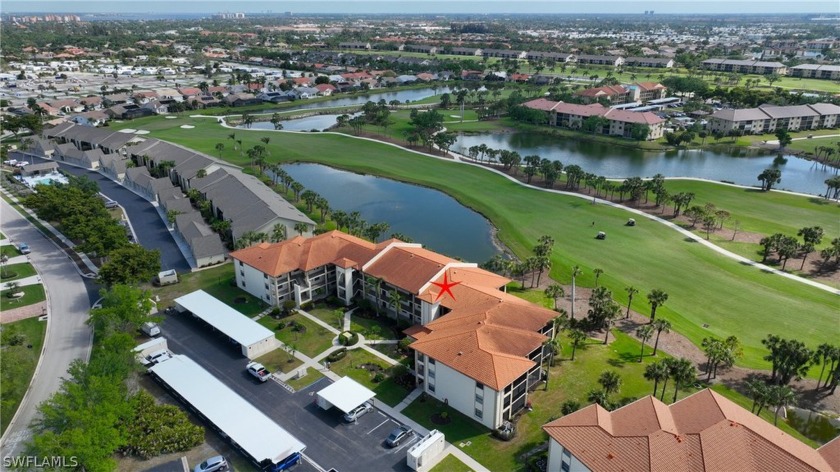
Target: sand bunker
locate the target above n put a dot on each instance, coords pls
(187, 126)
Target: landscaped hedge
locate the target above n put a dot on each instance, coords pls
(337, 355)
(346, 340)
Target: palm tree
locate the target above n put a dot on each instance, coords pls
(220, 147)
(553, 347)
(323, 205)
(278, 233)
(577, 337)
(656, 372)
(558, 322)
(760, 394)
(644, 333)
(656, 298)
(301, 228)
(265, 140)
(395, 300)
(297, 187)
(575, 272)
(610, 381)
(780, 396)
(597, 396)
(683, 373)
(555, 291)
(631, 291)
(660, 326)
(597, 273)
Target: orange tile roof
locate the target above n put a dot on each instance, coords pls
(702, 432)
(304, 254)
(408, 268)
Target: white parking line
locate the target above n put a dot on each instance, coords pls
(377, 426)
(313, 463)
(413, 438)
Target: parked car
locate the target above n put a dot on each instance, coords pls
(212, 464)
(398, 435)
(258, 370)
(158, 357)
(24, 248)
(150, 329)
(357, 412)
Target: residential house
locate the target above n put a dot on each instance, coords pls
(139, 180)
(205, 245)
(702, 432)
(644, 92)
(155, 106)
(422, 48)
(745, 66)
(307, 92)
(93, 102)
(616, 122)
(354, 45)
(658, 62)
(561, 57)
(426, 77)
(466, 51)
(816, 71)
(325, 90)
(613, 94)
(113, 166)
(241, 99)
(595, 59)
(769, 118)
(477, 348)
(42, 168)
(504, 53)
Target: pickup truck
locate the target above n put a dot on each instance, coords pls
(258, 370)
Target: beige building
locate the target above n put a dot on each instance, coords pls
(769, 118)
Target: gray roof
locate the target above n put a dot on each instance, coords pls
(789, 111)
(58, 130)
(40, 166)
(661, 60)
(826, 108)
(115, 162)
(201, 238)
(820, 67)
(65, 149)
(190, 167)
(94, 155)
(741, 114)
(179, 204)
(138, 175)
(740, 62)
(207, 246)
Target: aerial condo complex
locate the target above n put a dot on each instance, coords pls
(434, 236)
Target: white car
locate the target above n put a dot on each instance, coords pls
(258, 370)
(357, 412)
(158, 357)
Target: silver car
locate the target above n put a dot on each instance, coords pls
(357, 412)
(213, 464)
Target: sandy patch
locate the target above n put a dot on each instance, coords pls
(187, 126)
(171, 117)
(142, 131)
(128, 130)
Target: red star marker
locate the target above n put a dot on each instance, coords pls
(445, 287)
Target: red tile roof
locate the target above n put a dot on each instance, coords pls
(543, 104)
(607, 90)
(702, 432)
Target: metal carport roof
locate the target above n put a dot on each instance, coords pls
(346, 394)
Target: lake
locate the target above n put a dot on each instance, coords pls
(798, 175)
(401, 95)
(429, 217)
(317, 122)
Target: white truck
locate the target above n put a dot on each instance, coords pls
(259, 371)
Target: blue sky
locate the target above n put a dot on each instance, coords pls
(432, 6)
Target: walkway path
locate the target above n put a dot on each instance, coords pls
(394, 412)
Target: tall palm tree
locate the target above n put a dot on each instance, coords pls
(661, 326)
(656, 372)
(597, 396)
(395, 300)
(301, 228)
(780, 397)
(668, 366)
(553, 347)
(631, 291)
(759, 392)
(575, 272)
(555, 291)
(610, 381)
(597, 273)
(656, 298)
(644, 333)
(577, 337)
(278, 233)
(220, 147)
(683, 373)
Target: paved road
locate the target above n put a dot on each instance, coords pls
(150, 229)
(68, 337)
(330, 442)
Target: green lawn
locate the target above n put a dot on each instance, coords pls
(387, 391)
(219, 282)
(21, 271)
(9, 251)
(311, 377)
(313, 341)
(328, 316)
(279, 360)
(450, 464)
(704, 287)
(17, 364)
(809, 145)
(382, 328)
(33, 294)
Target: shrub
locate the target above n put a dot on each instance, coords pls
(404, 342)
(379, 377)
(275, 312)
(348, 338)
(159, 429)
(306, 306)
(337, 355)
(288, 307)
(297, 327)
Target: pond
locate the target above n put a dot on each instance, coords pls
(317, 122)
(734, 165)
(429, 217)
(401, 95)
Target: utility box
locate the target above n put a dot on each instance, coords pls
(426, 450)
(167, 277)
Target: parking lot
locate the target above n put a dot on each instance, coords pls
(330, 442)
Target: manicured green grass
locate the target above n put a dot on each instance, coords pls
(809, 145)
(17, 364)
(381, 328)
(450, 464)
(534, 296)
(279, 360)
(218, 282)
(32, 294)
(311, 377)
(328, 316)
(21, 270)
(704, 287)
(9, 251)
(387, 391)
(313, 341)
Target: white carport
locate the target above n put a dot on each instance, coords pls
(254, 338)
(344, 394)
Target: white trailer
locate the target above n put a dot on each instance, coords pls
(426, 450)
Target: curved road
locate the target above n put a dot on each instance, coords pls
(67, 338)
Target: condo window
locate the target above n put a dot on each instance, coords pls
(478, 413)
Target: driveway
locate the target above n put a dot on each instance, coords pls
(68, 338)
(150, 229)
(331, 443)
